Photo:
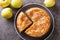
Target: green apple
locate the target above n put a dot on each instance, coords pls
(7, 13)
(4, 3)
(49, 3)
(16, 3)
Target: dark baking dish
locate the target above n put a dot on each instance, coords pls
(26, 37)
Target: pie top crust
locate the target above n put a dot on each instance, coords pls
(41, 22)
(22, 21)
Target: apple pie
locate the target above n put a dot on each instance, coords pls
(22, 21)
(41, 22)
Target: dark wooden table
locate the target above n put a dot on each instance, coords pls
(7, 31)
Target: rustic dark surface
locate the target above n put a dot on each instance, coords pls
(7, 31)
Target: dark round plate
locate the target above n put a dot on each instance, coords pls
(26, 37)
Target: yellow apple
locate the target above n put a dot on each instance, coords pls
(49, 3)
(16, 3)
(7, 13)
(4, 3)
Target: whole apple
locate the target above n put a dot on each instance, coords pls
(4, 3)
(16, 3)
(7, 13)
(49, 3)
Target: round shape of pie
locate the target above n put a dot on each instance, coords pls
(41, 22)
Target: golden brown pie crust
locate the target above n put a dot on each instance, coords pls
(22, 21)
(41, 22)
